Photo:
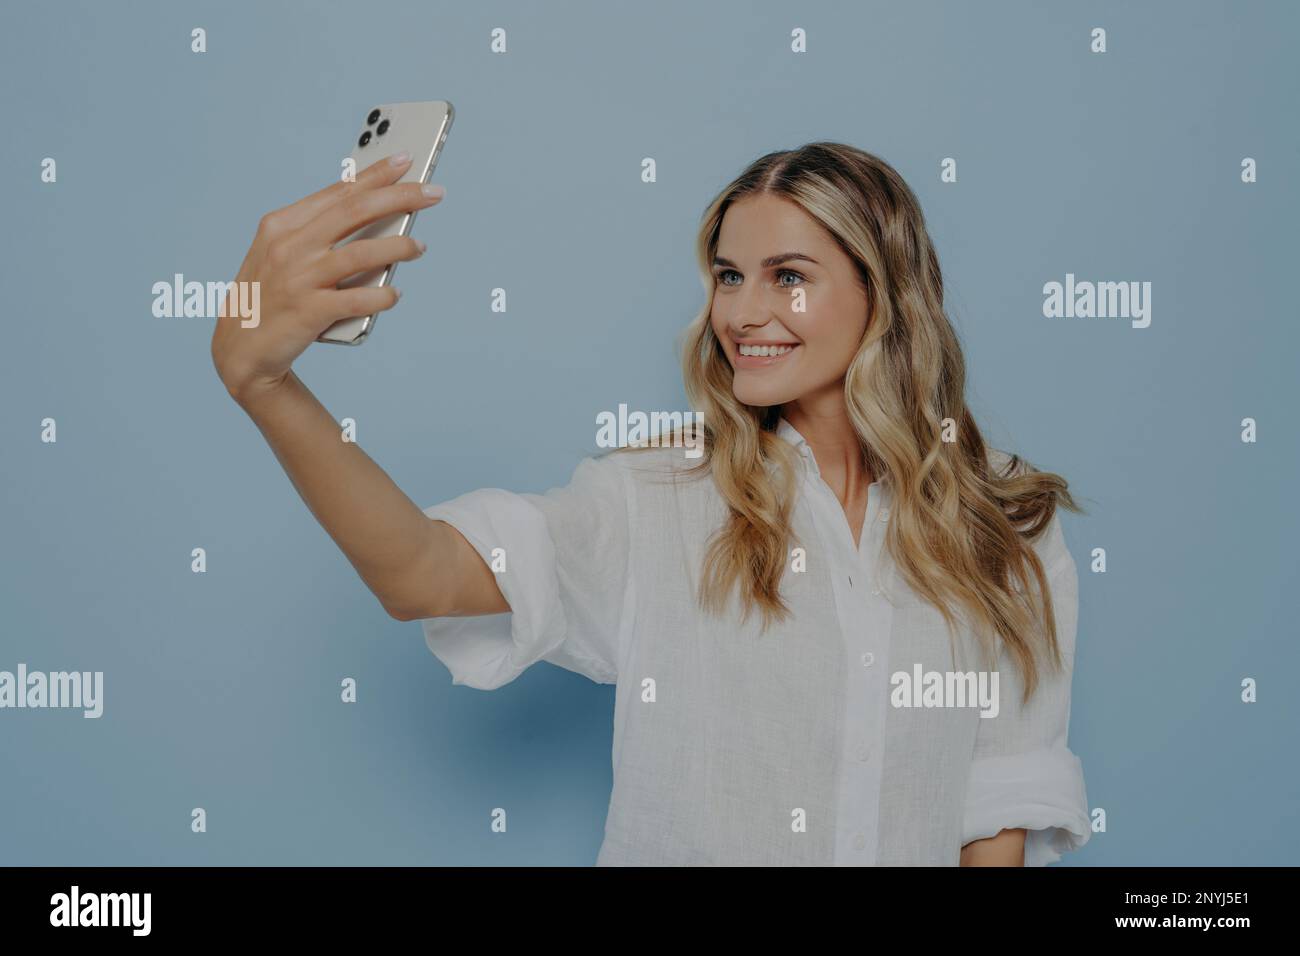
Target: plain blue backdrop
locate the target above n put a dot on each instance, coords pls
(222, 688)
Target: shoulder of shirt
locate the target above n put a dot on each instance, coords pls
(650, 461)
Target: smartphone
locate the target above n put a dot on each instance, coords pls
(419, 129)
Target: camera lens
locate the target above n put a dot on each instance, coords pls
(365, 138)
(374, 115)
(383, 128)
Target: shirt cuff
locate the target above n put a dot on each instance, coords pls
(1041, 791)
(487, 651)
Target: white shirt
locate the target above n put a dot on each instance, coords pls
(735, 748)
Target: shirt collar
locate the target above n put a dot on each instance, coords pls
(791, 434)
(787, 431)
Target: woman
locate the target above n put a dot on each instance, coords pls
(789, 618)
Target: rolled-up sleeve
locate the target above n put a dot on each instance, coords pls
(1023, 774)
(561, 561)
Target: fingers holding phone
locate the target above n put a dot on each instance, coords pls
(418, 129)
(324, 265)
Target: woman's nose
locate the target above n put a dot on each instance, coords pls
(749, 314)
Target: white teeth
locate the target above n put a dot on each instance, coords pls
(764, 350)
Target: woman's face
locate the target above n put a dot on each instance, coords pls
(770, 250)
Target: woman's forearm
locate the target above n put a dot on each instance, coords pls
(1005, 849)
(414, 566)
(381, 531)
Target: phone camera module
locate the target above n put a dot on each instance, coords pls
(373, 117)
(382, 128)
(365, 138)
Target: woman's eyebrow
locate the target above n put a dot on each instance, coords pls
(770, 261)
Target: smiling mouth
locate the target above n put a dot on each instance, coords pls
(763, 356)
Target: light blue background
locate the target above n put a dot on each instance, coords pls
(222, 689)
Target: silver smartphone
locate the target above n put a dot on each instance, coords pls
(419, 129)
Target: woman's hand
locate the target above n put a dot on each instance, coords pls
(297, 267)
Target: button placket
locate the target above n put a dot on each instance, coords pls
(864, 629)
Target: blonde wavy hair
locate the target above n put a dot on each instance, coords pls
(960, 532)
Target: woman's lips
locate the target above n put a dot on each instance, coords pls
(762, 361)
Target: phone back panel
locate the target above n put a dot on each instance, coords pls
(416, 128)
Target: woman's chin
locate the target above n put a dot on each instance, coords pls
(759, 397)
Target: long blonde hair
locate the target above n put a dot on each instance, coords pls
(959, 531)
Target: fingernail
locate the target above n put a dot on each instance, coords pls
(397, 292)
(400, 159)
(421, 246)
(433, 191)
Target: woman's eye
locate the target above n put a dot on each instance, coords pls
(723, 280)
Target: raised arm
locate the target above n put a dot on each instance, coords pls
(416, 567)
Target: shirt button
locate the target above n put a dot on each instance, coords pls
(884, 514)
(875, 591)
(868, 659)
(860, 842)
